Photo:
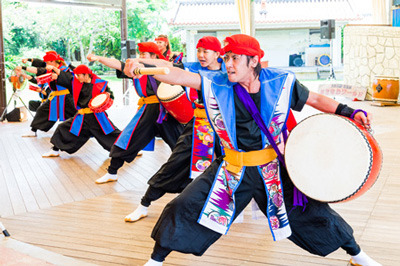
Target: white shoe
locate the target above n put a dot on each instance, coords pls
(51, 153)
(30, 134)
(139, 213)
(152, 262)
(106, 178)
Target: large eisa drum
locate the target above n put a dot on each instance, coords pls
(175, 100)
(331, 158)
(385, 89)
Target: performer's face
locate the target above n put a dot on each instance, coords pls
(162, 46)
(82, 77)
(207, 58)
(52, 63)
(237, 67)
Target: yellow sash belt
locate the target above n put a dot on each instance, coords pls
(85, 111)
(147, 100)
(237, 159)
(200, 113)
(57, 93)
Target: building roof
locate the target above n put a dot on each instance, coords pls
(225, 12)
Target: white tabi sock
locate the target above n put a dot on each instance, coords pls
(363, 259)
(139, 213)
(152, 262)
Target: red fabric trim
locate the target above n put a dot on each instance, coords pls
(143, 83)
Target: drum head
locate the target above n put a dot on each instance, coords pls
(167, 92)
(328, 157)
(99, 100)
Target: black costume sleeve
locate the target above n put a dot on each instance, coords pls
(180, 65)
(65, 80)
(110, 92)
(41, 71)
(300, 95)
(71, 67)
(38, 62)
(121, 74)
(33, 80)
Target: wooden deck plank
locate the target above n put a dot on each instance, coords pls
(33, 181)
(89, 223)
(22, 184)
(5, 201)
(16, 200)
(44, 170)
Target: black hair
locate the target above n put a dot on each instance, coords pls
(165, 36)
(258, 67)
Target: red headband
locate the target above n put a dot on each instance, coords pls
(243, 44)
(52, 56)
(163, 39)
(82, 69)
(210, 43)
(150, 47)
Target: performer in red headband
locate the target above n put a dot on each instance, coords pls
(194, 150)
(164, 46)
(150, 119)
(59, 104)
(207, 207)
(73, 133)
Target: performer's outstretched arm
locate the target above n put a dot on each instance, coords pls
(176, 75)
(110, 62)
(329, 105)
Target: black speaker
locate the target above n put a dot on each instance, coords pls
(328, 29)
(295, 60)
(14, 115)
(128, 49)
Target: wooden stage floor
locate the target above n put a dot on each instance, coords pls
(54, 204)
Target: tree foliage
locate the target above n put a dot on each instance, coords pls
(31, 29)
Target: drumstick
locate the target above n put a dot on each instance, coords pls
(151, 71)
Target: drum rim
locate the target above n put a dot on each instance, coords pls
(172, 98)
(106, 104)
(369, 166)
(181, 92)
(98, 96)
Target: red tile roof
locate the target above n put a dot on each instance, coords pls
(224, 12)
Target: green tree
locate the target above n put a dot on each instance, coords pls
(75, 31)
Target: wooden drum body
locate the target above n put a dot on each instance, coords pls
(34, 87)
(43, 79)
(385, 89)
(100, 102)
(332, 159)
(175, 100)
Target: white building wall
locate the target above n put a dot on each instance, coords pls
(277, 44)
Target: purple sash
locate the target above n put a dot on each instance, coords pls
(299, 199)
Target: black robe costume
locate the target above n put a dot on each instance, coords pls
(66, 141)
(319, 229)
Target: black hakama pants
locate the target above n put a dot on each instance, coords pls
(146, 130)
(319, 229)
(64, 140)
(173, 176)
(41, 119)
